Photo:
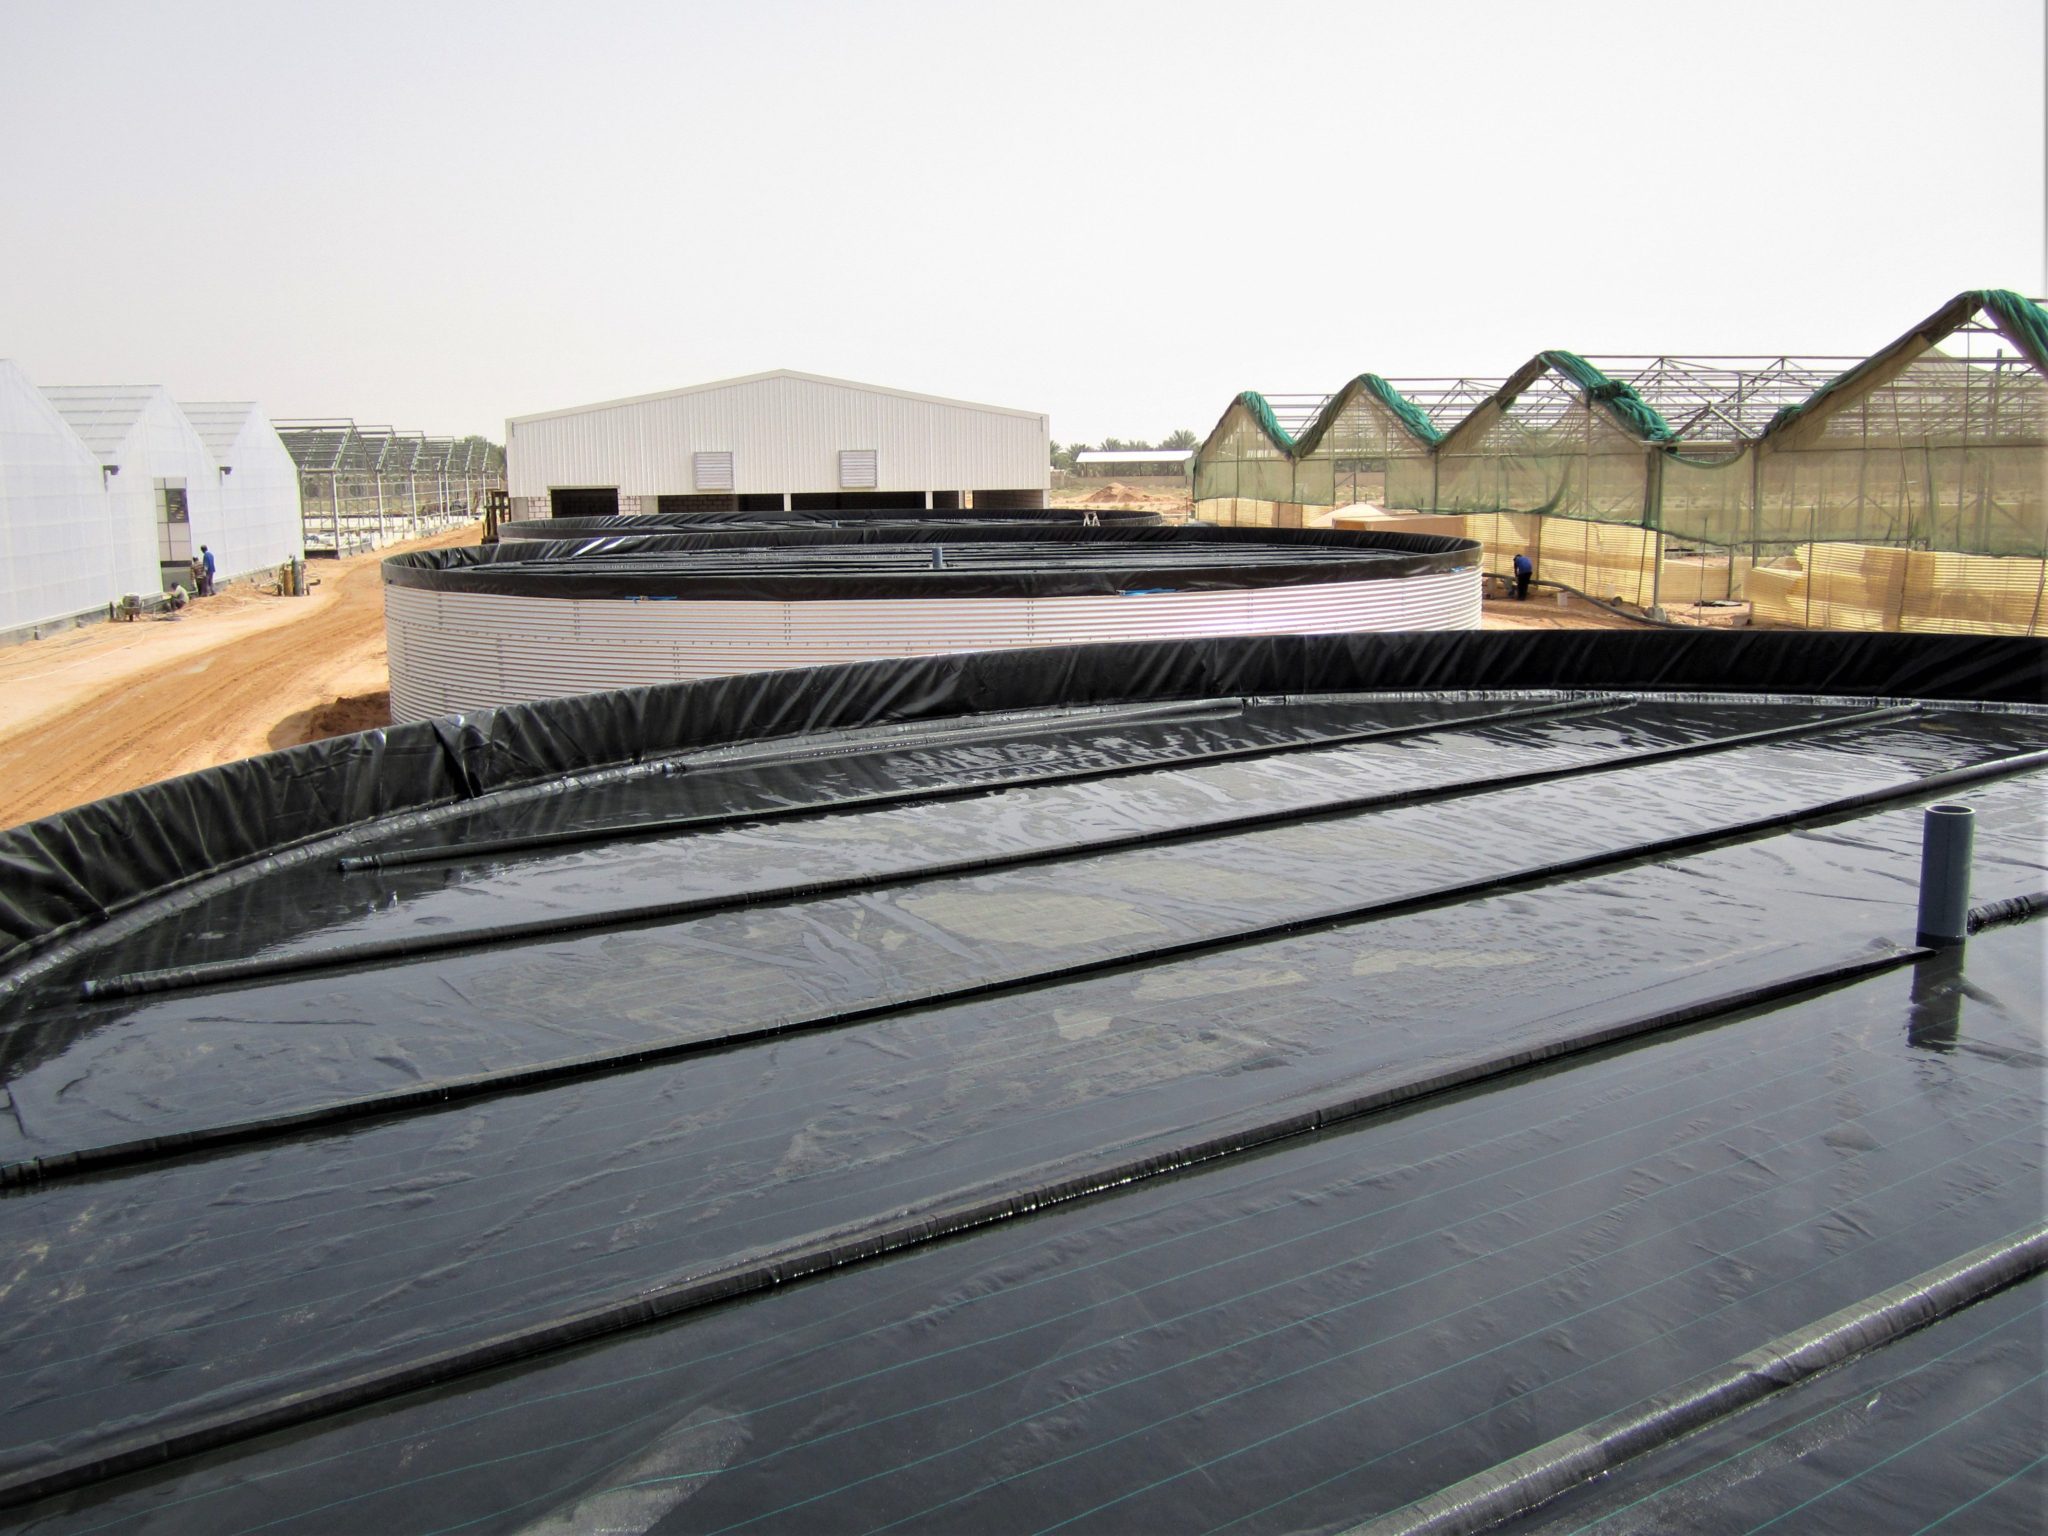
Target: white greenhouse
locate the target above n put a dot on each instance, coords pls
(163, 485)
(776, 440)
(258, 527)
(60, 556)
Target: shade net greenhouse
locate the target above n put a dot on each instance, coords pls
(1370, 442)
(1906, 491)
(1250, 1085)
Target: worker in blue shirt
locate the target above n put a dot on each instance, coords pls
(1524, 569)
(206, 568)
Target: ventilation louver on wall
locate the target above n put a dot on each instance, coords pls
(857, 470)
(712, 471)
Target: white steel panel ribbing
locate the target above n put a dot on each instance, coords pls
(452, 651)
(785, 432)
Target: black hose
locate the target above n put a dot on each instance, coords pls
(414, 946)
(948, 1216)
(1519, 1485)
(2014, 909)
(446, 1092)
(490, 847)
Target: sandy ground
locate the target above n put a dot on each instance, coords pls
(93, 711)
(1169, 495)
(1542, 610)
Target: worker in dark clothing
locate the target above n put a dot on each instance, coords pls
(206, 571)
(1524, 569)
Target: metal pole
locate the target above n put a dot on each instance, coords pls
(1946, 837)
(1653, 497)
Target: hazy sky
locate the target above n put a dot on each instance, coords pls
(436, 215)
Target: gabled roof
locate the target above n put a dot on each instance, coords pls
(1627, 409)
(2017, 318)
(773, 373)
(25, 407)
(1405, 414)
(102, 414)
(219, 423)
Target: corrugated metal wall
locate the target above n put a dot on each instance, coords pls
(785, 434)
(455, 651)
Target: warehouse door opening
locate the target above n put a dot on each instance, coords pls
(858, 501)
(583, 501)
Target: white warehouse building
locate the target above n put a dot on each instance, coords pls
(776, 440)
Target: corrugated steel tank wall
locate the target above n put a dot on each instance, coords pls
(785, 434)
(452, 652)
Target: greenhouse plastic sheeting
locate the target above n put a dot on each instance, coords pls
(80, 865)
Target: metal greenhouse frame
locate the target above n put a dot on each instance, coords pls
(1905, 490)
(366, 486)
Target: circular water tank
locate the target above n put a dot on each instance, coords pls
(470, 628)
(548, 529)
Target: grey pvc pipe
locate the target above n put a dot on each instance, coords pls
(1515, 1487)
(932, 794)
(416, 946)
(1947, 837)
(150, 1443)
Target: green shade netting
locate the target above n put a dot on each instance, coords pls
(2019, 319)
(1628, 407)
(1262, 413)
(1404, 410)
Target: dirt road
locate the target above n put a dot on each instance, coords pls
(94, 711)
(1543, 610)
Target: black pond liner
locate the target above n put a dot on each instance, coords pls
(1299, 1339)
(839, 517)
(895, 560)
(1024, 1018)
(1873, 1447)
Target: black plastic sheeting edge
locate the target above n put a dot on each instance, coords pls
(2014, 909)
(489, 847)
(947, 1216)
(227, 972)
(522, 1079)
(79, 866)
(633, 524)
(1190, 559)
(1519, 1485)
